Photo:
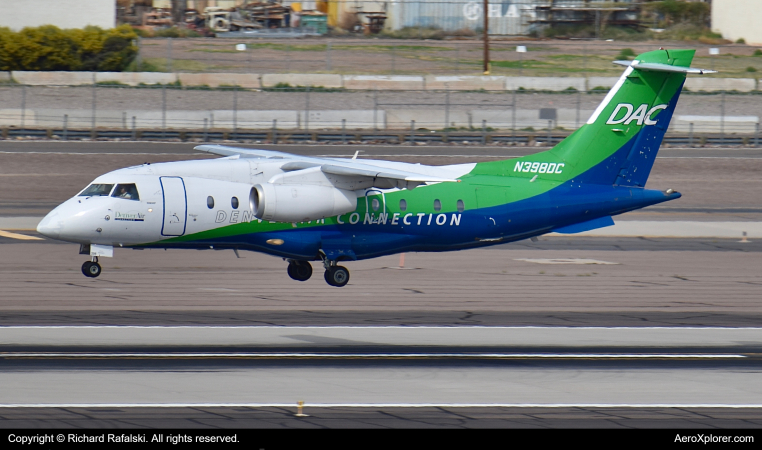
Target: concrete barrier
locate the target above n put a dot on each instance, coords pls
(702, 83)
(544, 83)
(136, 78)
(302, 79)
(53, 78)
(5, 77)
(333, 118)
(12, 117)
(244, 80)
(391, 82)
(466, 83)
(606, 82)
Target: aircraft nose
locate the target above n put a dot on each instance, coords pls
(51, 225)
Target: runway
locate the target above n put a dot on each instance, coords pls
(562, 332)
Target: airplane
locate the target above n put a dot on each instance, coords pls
(335, 210)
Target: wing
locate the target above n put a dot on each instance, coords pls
(382, 174)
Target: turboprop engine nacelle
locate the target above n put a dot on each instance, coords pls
(300, 202)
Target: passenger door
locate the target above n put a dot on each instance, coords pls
(175, 206)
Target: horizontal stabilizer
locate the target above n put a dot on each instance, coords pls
(586, 226)
(658, 67)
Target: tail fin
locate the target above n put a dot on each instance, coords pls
(618, 144)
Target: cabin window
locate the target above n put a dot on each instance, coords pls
(437, 205)
(403, 205)
(97, 190)
(126, 191)
(375, 204)
(461, 206)
(210, 202)
(234, 202)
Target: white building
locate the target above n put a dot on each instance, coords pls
(17, 14)
(738, 19)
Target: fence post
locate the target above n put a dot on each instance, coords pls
(134, 129)
(484, 132)
(206, 130)
(756, 135)
(375, 109)
(722, 119)
(394, 50)
(66, 127)
(163, 112)
(288, 56)
(275, 131)
(690, 135)
(139, 57)
(576, 121)
(235, 112)
(447, 114)
(23, 105)
(124, 120)
(94, 107)
(513, 119)
(412, 131)
(550, 130)
(343, 131)
(328, 56)
(307, 109)
(169, 55)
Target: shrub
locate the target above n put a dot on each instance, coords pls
(740, 41)
(751, 69)
(51, 48)
(757, 52)
(626, 53)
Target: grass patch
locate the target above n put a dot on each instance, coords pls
(525, 64)
(285, 87)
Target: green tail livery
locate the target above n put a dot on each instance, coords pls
(337, 209)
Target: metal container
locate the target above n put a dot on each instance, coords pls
(509, 17)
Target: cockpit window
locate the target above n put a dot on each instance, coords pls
(97, 190)
(128, 191)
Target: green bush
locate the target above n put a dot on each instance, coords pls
(757, 52)
(751, 69)
(626, 53)
(51, 48)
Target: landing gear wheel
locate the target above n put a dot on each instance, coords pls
(337, 276)
(91, 269)
(300, 270)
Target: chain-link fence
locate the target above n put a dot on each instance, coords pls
(232, 112)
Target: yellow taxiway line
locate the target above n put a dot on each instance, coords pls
(22, 237)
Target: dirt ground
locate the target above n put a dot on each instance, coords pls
(401, 56)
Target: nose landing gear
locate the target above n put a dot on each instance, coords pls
(91, 269)
(335, 275)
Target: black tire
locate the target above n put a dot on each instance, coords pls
(300, 270)
(337, 276)
(91, 269)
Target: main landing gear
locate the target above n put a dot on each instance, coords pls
(299, 270)
(337, 276)
(91, 269)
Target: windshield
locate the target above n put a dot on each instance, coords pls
(95, 190)
(128, 191)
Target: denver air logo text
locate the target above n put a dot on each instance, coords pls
(629, 114)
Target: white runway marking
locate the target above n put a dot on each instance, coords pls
(565, 261)
(273, 355)
(379, 405)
